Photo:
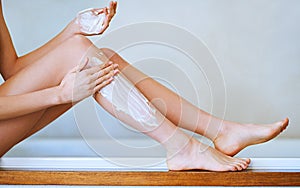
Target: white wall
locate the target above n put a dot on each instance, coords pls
(256, 42)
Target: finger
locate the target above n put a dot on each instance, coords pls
(79, 67)
(98, 11)
(109, 75)
(111, 7)
(103, 78)
(104, 65)
(103, 84)
(112, 73)
(105, 11)
(100, 80)
(98, 71)
(103, 81)
(92, 70)
(111, 11)
(113, 67)
(104, 62)
(105, 71)
(83, 65)
(105, 24)
(109, 15)
(95, 78)
(116, 72)
(98, 68)
(94, 74)
(115, 6)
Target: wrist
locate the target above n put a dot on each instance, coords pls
(59, 97)
(73, 28)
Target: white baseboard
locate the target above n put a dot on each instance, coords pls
(127, 164)
(278, 148)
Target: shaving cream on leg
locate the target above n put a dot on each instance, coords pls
(125, 97)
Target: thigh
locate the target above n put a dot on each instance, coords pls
(46, 72)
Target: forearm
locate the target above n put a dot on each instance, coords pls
(18, 105)
(75, 28)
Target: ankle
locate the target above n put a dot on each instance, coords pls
(225, 128)
(215, 128)
(178, 159)
(183, 150)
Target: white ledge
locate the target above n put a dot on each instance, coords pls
(132, 164)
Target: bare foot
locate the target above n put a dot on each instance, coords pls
(200, 156)
(235, 137)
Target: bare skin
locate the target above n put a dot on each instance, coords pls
(50, 57)
(234, 137)
(228, 137)
(206, 158)
(18, 128)
(184, 153)
(59, 56)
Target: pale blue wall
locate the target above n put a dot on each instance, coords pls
(256, 42)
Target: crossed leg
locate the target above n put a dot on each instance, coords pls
(186, 153)
(46, 71)
(183, 152)
(228, 137)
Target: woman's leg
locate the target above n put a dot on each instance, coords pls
(125, 102)
(228, 137)
(183, 153)
(46, 72)
(16, 129)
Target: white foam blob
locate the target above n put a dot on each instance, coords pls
(90, 22)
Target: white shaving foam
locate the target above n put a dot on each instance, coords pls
(126, 98)
(90, 23)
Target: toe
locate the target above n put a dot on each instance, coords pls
(247, 160)
(285, 123)
(244, 165)
(239, 165)
(231, 168)
(244, 161)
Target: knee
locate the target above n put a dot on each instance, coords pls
(80, 42)
(73, 51)
(114, 57)
(76, 48)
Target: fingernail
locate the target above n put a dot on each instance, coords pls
(116, 71)
(116, 65)
(110, 63)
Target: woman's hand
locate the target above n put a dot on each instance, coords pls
(109, 14)
(93, 21)
(81, 83)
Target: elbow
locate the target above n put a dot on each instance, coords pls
(8, 71)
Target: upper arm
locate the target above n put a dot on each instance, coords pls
(8, 55)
